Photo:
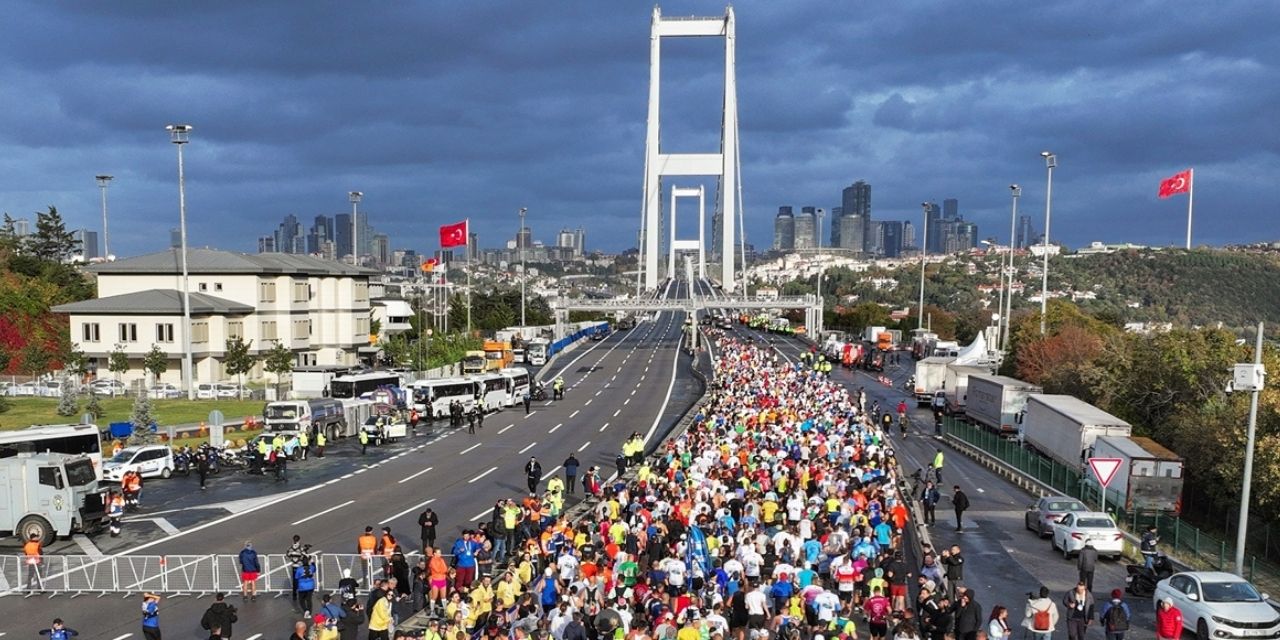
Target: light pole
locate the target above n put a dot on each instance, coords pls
(924, 249)
(103, 181)
(1050, 161)
(1013, 217)
(524, 273)
(355, 197)
(180, 134)
(999, 315)
(822, 268)
(1248, 377)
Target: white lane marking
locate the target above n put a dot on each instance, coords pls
(575, 412)
(528, 446)
(360, 471)
(348, 476)
(254, 636)
(504, 429)
(641, 379)
(584, 446)
(615, 377)
(526, 416)
(491, 470)
(470, 448)
(317, 515)
(130, 635)
(588, 402)
(551, 472)
(333, 481)
(615, 413)
(90, 549)
(633, 392)
(416, 506)
(627, 401)
(675, 362)
(408, 478)
(558, 425)
(600, 392)
(604, 426)
(482, 514)
(548, 403)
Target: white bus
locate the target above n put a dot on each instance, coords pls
(431, 398)
(517, 384)
(492, 391)
(72, 439)
(356, 385)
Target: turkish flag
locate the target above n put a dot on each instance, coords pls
(453, 235)
(1177, 183)
(429, 265)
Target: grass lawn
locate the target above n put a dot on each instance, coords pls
(24, 412)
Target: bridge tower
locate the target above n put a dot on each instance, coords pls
(724, 165)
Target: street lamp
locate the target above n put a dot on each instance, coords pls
(524, 273)
(355, 197)
(924, 248)
(180, 134)
(1248, 377)
(103, 181)
(1050, 161)
(822, 268)
(1013, 217)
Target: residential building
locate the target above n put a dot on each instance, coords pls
(784, 230)
(21, 227)
(909, 236)
(319, 309)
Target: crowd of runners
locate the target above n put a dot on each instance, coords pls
(776, 514)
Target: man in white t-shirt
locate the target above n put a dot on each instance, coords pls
(827, 604)
(795, 508)
(675, 570)
(757, 602)
(568, 566)
(751, 563)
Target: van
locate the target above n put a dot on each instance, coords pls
(149, 460)
(206, 391)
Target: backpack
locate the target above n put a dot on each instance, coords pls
(1115, 619)
(1040, 620)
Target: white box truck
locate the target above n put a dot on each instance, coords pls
(930, 374)
(1149, 479)
(996, 402)
(49, 495)
(956, 383)
(1064, 428)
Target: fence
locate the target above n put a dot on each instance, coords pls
(176, 574)
(1184, 541)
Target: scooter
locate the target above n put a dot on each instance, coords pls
(1141, 581)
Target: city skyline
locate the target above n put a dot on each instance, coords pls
(1132, 100)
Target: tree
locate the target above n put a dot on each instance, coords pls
(51, 240)
(156, 362)
(94, 408)
(142, 418)
(67, 405)
(76, 363)
(118, 361)
(35, 359)
(239, 360)
(279, 360)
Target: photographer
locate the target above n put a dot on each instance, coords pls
(1041, 615)
(219, 616)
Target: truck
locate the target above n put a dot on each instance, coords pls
(922, 343)
(931, 372)
(313, 416)
(536, 352)
(49, 495)
(473, 362)
(314, 381)
(996, 402)
(871, 334)
(497, 355)
(1149, 478)
(1064, 428)
(956, 383)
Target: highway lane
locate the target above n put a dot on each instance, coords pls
(1004, 559)
(614, 387)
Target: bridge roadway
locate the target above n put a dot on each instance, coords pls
(635, 380)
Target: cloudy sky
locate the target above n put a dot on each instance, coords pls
(443, 110)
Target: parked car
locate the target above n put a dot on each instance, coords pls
(150, 460)
(206, 391)
(110, 388)
(166, 391)
(49, 389)
(230, 390)
(1216, 604)
(1071, 532)
(25, 389)
(1048, 510)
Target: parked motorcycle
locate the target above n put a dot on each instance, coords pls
(539, 394)
(182, 463)
(1141, 581)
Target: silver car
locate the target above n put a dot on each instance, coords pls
(1046, 511)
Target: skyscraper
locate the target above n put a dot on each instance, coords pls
(321, 231)
(289, 237)
(909, 235)
(893, 232)
(342, 234)
(855, 204)
(784, 230)
(950, 209)
(1025, 232)
(933, 228)
(836, 214)
(807, 228)
(21, 227)
(88, 243)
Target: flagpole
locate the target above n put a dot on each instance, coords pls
(1191, 190)
(467, 231)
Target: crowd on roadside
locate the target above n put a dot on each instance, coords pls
(776, 514)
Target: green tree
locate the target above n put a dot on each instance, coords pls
(239, 358)
(142, 417)
(156, 362)
(76, 363)
(94, 408)
(279, 361)
(67, 405)
(35, 359)
(118, 361)
(51, 240)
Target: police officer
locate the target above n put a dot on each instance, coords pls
(304, 441)
(527, 401)
(364, 442)
(320, 442)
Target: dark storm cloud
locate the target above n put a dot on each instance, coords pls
(454, 109)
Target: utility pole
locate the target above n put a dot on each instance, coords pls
(1248, 377)
(924, 249)
(103, 181)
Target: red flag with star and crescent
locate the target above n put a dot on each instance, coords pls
(1175, 184)
(453, 235)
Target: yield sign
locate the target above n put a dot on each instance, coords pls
(1105, 469)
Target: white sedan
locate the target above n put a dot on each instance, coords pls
(1071, 532)
(1219, 605)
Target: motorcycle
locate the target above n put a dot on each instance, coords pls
(910, 385)
(182, 464)
(539, 394)
(1141, 581)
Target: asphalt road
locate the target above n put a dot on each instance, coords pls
(635, 380)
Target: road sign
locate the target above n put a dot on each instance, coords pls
(216, 417)
(1104, 469)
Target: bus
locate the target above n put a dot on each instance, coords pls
(492, 391)
(71, 439)
(356, 385)
(431, 398)
(517, 384)
(536, 352)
